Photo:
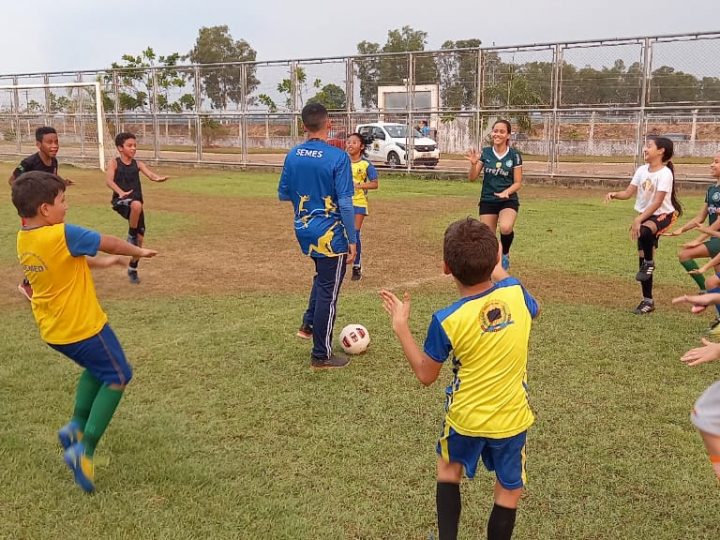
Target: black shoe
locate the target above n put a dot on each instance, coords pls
(646, 271)
(325, 363)
(133, 276)
(644, 307)
(305, 332)
(356, 273)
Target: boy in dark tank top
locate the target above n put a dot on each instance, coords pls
(123, 177)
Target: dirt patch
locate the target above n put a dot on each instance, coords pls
(236, 245)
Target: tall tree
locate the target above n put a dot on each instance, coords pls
(331, 96)
(135, 83)
(393, 70)
(223, 84)
(458, 73)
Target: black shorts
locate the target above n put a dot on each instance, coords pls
(662, 223)
(495, 207)
(122, 207)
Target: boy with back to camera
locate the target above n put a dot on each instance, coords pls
(123, 177)
(56, 259)
(487, 410)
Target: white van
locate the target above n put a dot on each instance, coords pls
(389, 145)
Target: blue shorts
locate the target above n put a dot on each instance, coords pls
(101, 355)
(361, 210)
(504, 456)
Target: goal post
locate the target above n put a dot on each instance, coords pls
(74, 109)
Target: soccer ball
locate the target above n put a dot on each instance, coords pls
(354, 339)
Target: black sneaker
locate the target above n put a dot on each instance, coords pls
(326, 363)
(305, 332)
(644, 307)
(356, 273)
(133, 276)
(646, 271)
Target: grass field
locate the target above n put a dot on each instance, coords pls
(225, 431)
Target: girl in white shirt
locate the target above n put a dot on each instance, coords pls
(657, 205)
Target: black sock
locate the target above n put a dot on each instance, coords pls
(506, 240)
(134, 264)
(647, 288)
(447, 500)
(132, 231)
(501, 523)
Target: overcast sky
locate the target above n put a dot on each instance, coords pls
(57, 35)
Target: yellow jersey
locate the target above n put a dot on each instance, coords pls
(362, 171)
(488, 336)
(64, 302)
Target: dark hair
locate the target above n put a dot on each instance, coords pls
(666, 145)
(363, 140)
(314, 116)
(507, 125)
(42, 131)
(31, 189)
(470, 249)
(123, 136)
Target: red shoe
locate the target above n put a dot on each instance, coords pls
(305, 332)
(25, 289)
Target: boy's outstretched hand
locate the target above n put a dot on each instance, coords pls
(699, 301)
(399, 310)
(147, 253)
(707, 353)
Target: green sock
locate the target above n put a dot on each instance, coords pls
(87, 389)
(699, 278)
(100, 415)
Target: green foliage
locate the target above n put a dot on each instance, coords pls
(458, 74)
(393, 70)
(331, 96)
(135, 83)
(224, 84)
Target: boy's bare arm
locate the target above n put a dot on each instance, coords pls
(115, 246)
(151, 175)
(425, 368)
(107, 262)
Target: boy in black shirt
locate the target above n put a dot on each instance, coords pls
(123, 177)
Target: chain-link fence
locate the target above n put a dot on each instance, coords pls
(577, 109)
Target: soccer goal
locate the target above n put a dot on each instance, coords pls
(74, 109)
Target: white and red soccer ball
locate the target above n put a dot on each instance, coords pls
(354, 339)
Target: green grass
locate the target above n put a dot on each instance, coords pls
(226, 433)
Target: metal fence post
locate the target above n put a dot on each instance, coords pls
(639, 139)
(154, 110)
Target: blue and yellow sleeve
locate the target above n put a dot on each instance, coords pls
(437, 343)
(81, 241)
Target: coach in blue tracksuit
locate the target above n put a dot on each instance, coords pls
(317, 179)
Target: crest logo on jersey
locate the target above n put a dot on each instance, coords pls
(498, 165)
(495, 316)
(509, 163)
(647, 184)
(716, 196)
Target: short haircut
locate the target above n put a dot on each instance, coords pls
(123, 136)
(34, 188)
(470, 250)
(42, 131)
(314, 116)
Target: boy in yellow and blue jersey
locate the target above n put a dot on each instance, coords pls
(487, 409)
(56, 258)
(316, 179)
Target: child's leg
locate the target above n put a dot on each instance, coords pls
(447, 498)
(359, 218)
(687, 260)
(713, 286)
(87, 389)
(137, 238)
(706, 418)
(646, 285)
(506, 223)
(490, 220)
(712, 445)
(502, 517)
(136, 208)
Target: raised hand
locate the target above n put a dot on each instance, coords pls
(399, 310)
(472, 156)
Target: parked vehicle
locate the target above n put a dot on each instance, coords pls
(390, 145)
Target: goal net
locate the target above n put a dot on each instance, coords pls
(75, 110)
